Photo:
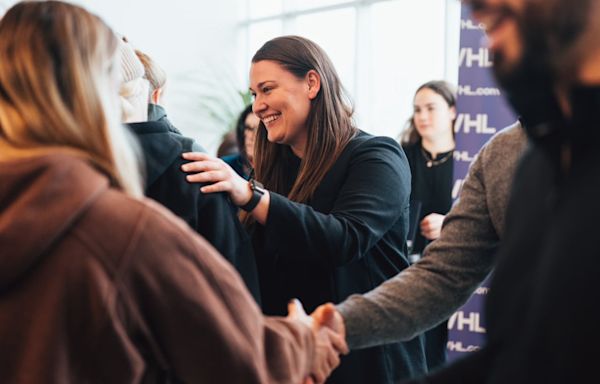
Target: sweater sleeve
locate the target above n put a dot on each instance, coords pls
(197, 317)
(429, 291)
(372, 198)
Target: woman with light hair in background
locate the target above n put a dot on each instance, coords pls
(245, 133)
(428, 142)
(98, 284)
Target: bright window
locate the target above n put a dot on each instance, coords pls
(263, 31)
(382, 49)
(407, 50)
(311, 4)
(264, 8)
(338, 42)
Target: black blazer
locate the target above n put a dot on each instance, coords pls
(348, 239)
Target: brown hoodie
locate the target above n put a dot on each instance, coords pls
(97, 287)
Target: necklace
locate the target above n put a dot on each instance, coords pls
(431, 162)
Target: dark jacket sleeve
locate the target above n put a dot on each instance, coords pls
(217, 223)
(221, 227)
(191, 309)
(372, 198)
(211, 215)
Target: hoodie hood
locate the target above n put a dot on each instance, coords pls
(158, 113)
(159, 145)
(40, 199)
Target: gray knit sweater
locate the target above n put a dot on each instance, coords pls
(453, 266)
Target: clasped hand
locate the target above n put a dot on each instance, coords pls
(330, 339)
(431, 226)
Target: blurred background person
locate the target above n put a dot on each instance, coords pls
(246, 127)
(428, 143)
(228, 145)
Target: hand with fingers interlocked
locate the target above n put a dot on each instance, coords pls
(431, 226)
(330, 339)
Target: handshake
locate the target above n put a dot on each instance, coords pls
(330, 338)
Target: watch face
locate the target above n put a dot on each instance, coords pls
(257, 186)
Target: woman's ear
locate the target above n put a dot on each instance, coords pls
(314, 83)
(453, 113)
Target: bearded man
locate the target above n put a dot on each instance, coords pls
(542, 320)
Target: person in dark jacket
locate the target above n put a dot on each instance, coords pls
(99, 284)
(542, 317)
(332, 217)
(210, 215)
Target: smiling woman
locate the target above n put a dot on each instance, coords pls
(331, 215)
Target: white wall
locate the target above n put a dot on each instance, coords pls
(194, 41)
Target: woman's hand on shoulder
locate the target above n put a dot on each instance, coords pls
(204, 168)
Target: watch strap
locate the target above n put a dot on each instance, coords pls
(257, 192)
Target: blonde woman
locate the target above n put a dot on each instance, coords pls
(97, 284)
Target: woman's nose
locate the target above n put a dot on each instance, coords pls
(258, 105)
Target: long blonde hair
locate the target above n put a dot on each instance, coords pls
(59, 89)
